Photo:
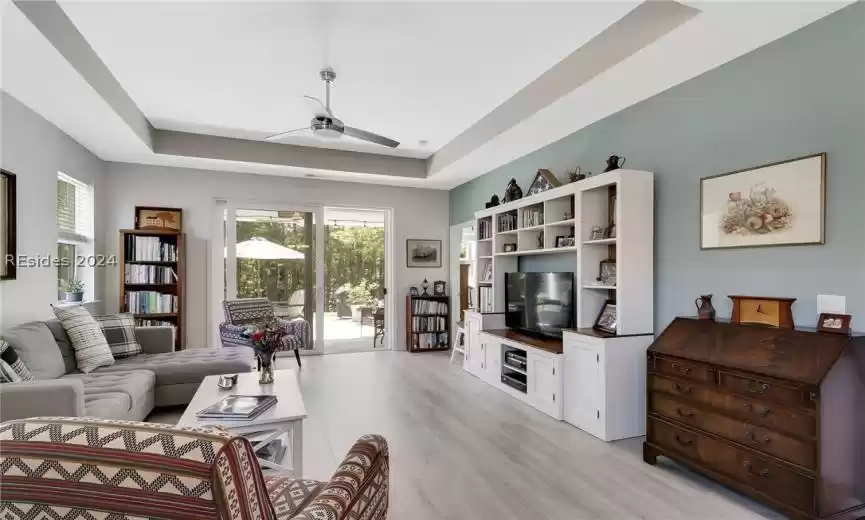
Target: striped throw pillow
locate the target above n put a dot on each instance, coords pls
(119, 331)
(10, 359)
(88, 341)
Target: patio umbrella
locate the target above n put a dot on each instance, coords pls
(258, 248)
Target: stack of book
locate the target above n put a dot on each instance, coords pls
(238, 407)
(429, 323)
(149, 249)
(533, 217)
(150, 302)
(428, 307)
(485, 229)
(430, 340)
(508, 222)
(485, 295)
(153, 274)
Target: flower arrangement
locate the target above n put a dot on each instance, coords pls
(759, 213)
(266, 339)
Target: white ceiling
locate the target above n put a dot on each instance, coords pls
(409, 71)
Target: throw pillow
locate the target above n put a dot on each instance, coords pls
(10, 359)
(7, 373)
(37, 349)
(91, 348)
(119, 331)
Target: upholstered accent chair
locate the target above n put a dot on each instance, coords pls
(95, 468)
(247, 311)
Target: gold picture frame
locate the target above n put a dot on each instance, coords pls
(158, 218)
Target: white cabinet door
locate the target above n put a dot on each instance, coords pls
(472, 343)
(544, 383)
(582, 386)
(492, 361)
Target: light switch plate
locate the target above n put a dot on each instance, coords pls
(831, 303)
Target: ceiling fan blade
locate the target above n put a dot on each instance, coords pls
(283, 134)
(317, 107)
(357, 133)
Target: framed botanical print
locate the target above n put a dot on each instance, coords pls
(778, 204)
(8, 225)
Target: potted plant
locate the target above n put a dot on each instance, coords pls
(73, 290)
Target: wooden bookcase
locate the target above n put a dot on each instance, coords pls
(132, 258)
(412, 336)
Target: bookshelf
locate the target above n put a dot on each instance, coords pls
(153, 277)
(427, 321)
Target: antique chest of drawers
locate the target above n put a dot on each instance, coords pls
(778, 414)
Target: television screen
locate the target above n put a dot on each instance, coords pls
(541, 303)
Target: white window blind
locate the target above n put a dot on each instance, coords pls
(74, 209)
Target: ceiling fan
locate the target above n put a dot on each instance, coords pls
(324, 124)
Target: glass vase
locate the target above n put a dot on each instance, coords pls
(265, 369)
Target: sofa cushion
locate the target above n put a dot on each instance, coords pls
(188, 366)
(11, 366)
(290, 495)
(63, 343)
(91, 348)
(119, 331)
(36, 348)
(114, 394)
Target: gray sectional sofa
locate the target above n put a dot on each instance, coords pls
(128, 390)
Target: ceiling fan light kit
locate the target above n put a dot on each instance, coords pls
(325, 125)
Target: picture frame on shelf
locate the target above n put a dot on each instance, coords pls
(413, 292)
(834, 323)
(158, 218)
(597, 233)
(565, 241)
(544, 180)
(439, 288)
(776, 204)
(423, 253)
(607, 319)
(8, 225)
(607, 272)
(509, 248)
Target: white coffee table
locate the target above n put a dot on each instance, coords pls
(284, 421)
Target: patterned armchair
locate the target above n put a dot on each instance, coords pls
(93, 468)
(247, 311)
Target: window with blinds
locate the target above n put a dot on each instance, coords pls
(74, 210)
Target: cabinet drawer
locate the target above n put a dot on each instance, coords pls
(762, 439)
(769, 478)
(684, 369)
(796, 422)
(765, 390)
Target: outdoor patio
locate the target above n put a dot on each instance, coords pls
(342, 335)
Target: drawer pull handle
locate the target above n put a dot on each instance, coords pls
(748, 384)
(762, 413)
(763, 473)
(680, 368)
(686, 413)
(686, 390)
(751, 436)
(684, 442)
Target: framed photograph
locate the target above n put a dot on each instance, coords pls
(510, 248)
(597, 233)
(544, 180)
(779, 204)
(439, 288)
(412, 291)
(423, 253)
(607, 272)
(834, 323)
(606, 320)
(562, 241)
(149, 217)
(8, 225)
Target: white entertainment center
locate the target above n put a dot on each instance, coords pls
(591, 379)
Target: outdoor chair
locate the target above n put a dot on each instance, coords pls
(250, 311)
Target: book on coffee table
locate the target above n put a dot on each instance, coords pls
(238, 407)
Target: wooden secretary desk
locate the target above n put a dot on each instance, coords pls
(778, 414)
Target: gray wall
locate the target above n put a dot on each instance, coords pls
(799, 95)
(35, 150)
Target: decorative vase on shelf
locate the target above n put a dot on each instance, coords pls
(705, 310)
(265, 369)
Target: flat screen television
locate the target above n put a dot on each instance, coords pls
(539, 303)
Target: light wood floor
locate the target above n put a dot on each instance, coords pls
(462, 450)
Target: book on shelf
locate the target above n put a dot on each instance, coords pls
(157, 323)
(151, 302)
(533, 217)
(150, 249)
(485, 229)
(238, 407)
(428, 307)
(149, 274)
(485, 297)
(507, 222)
(430, 340)
(429, 323)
